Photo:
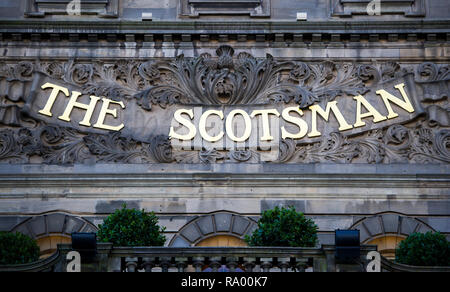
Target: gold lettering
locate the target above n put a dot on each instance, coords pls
(404, 104)
(185, 122)
(331, 107)
(294, 120)
(51, 100)
(265, 121)
(229, 124)
(88, 107)
(104, 111)
(202, 126)
(377, 117)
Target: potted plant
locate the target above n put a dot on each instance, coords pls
(424, 249)
(131, 227)
(17, 248)
(284, 227)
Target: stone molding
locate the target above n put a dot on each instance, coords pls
(278, 32)
(389, 224)
(217, 223)
(53, 223)
(142, 181)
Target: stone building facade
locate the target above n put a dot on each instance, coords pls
(209, 112)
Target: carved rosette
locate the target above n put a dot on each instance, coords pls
(225, 79)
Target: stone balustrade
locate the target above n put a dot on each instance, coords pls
(202, 259)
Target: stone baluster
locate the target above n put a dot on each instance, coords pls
(266, 264)
(284, 263)
(131, 264)
(148, 264)
(215, 263)
(232, 263)
(301, 264)
(165, 264)
(181, 263)
(198, 263)
(249, 264)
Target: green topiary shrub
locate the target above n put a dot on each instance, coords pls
(424, 249)
(17, 248)
(283, 227)
(131, 227)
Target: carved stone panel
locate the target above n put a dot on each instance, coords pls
(348, 8)
(152, 91)
(253, 8)
(101, 8)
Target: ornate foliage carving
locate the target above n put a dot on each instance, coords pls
(246, 80)
(223, 80)
(398, 143)
(57, 145)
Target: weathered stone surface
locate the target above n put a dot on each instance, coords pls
(390, 223)
(73, 225)
(205, 224)
(8, 222)
(441, 224)
(223, 221)
(180, 242)
(335, 195)
(408, 226)
(55, 223)
(191, 233)
(373, 225)
(240, 225)
(38, 225)
(363, 234)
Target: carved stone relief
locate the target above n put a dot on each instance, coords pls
(223, 80)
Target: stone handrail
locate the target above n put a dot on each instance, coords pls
(197, 259)
(390, 266)
(50, 264)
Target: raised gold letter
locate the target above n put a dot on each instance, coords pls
(202, 126)
(265, 121)
(377, 117)
(51, 100)
(185, 122)
(104, 111)
(294, 120)
(73, 103)
(331, 106)
(404, 104)
(247, 122)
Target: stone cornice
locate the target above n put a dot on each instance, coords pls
(424, 182)
(278, 31)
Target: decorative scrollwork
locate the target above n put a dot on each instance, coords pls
(225, 79)
(397, 143)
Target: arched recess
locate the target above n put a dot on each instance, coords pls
(387, 230)
(51, 229)
(222, 228)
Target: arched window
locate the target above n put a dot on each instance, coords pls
(48, 244)
(222, 240)
(387, 245)
(52, 229)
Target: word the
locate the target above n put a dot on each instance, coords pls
(89, 108)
